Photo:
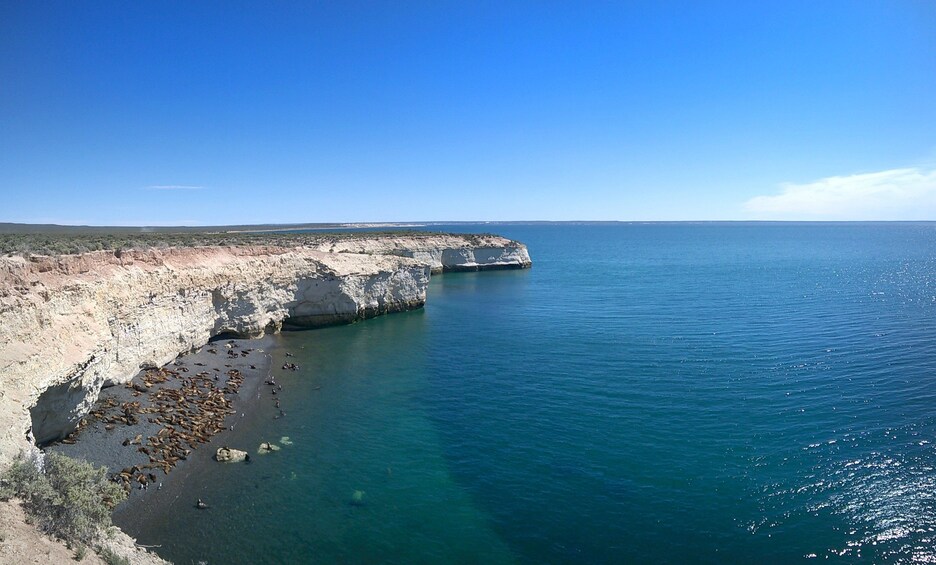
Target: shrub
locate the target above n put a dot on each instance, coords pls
(67, 498)
(112, 558)
(81, 552)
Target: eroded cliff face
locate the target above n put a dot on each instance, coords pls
(70, 325)
(442, 252)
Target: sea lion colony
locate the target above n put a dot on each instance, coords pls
(189, 416)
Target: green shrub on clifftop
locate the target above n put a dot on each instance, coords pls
(112, 558)
(67, 498)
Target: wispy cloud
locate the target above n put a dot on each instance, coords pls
(174, 187)
(895, 194)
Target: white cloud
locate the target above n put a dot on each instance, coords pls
(174, 187)
(896, 194)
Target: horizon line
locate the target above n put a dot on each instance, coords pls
(425, 223)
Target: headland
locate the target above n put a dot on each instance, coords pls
(74, 325)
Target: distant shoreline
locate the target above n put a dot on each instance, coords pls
(20, 228)
(326, 228)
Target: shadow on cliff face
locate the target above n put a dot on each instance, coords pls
(55, 414)
(60, 408)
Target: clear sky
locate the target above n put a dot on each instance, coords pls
(164, 113)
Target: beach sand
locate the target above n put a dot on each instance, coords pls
(107, 439)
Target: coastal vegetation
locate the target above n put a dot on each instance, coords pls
(66, 498)
(112, 558)
(77, 240)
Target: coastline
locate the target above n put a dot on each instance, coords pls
(77, 330)
(96, 444)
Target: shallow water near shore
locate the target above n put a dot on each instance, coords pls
(646, 393)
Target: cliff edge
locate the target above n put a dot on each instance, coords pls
(70, 325)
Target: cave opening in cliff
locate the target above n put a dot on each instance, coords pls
(54, 415)
(227, 335)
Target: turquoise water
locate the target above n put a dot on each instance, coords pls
(646, 393)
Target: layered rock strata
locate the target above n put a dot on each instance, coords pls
(73, 324)
(442, 252)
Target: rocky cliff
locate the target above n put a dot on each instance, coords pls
(70, 325)
(442, 252)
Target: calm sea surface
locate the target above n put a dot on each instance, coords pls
(645, 393)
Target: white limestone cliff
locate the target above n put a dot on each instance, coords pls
(70, 325)
(442, 252)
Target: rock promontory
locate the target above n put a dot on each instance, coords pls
(442, 252)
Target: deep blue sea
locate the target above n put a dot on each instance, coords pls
(646, 393)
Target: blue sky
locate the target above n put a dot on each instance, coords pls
(164, 113)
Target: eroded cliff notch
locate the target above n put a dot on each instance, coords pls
(57, 411)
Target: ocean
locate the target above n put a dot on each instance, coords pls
(646, 393)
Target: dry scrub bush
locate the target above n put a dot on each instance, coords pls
(66, 498)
